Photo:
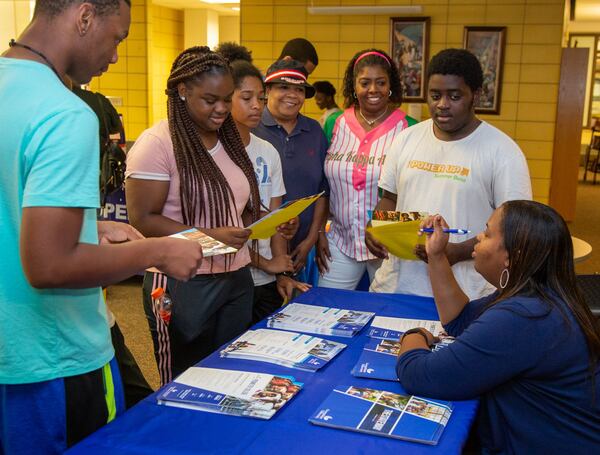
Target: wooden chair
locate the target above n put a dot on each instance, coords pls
(590, 286)
(592, 163)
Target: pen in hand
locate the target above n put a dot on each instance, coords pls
(447, 231)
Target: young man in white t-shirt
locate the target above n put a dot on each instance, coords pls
(453, 164)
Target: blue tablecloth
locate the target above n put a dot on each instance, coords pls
(149, 428)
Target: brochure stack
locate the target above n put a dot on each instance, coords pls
(393, 328)
(240, 393)
(379, 357)
(289, 349)
(320, 320)
(384, 413)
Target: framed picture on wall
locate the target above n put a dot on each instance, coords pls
(409, 48)
(487, 43)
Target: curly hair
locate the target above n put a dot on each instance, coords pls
(53, 8)
(200, 176)
(324, 87)
(300, 49)
(233, 51)
(241, 69)
(353, 69)
(457, 62)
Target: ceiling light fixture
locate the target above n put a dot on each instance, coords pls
(224, 2)
(366, 10)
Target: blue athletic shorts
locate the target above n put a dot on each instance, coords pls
(48, 417)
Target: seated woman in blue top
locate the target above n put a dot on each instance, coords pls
(530, 350)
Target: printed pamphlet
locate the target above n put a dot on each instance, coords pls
(290, 349)
(318, 319)
(393, 328)
(240, 393)
(266, 227)
(379, 358)
(384, 414)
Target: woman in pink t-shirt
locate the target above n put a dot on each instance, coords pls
(193, 171)
(360, 140)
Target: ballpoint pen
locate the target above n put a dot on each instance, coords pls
(447, 231)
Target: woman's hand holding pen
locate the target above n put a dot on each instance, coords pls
(438, 240)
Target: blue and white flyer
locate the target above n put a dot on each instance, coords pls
(393, 328)
(318, 319)
(384, 413)
(241, 393)
(289, 349)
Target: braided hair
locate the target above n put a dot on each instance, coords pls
(200, 176)
(353, 69)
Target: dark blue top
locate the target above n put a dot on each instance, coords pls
(302, 158)
(530, 368)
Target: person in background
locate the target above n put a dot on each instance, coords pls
(270, 261)
(302, 50)
(192, 170)
(529, 351)
(361, 138)
(233, 51)
(135, 386)
(453, 164)
(324, 97)
(302, 147)
(58, 377)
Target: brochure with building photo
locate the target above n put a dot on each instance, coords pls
(289, 349)
(393, 328)
(240, 393)
(321, 320)
(379, 358)
(210, 246)
(384, 414)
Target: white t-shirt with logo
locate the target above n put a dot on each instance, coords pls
(464, 181)
(267, 168)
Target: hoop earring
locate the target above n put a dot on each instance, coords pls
(504, 277)
(390, 94)
(354, 95)
(182, 98)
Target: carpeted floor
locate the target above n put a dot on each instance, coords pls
(125, 299)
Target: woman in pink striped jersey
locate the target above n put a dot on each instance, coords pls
(361, 137)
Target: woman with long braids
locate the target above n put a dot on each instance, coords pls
(193, 171)
(360, 140)
(529, 351)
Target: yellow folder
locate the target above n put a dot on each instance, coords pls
(266, 227)
(399, 238)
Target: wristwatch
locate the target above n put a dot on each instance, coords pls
(416, 330)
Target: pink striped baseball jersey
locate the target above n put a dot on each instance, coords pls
(352, 167)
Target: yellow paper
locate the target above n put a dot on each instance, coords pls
(398, 237)
(266, 227)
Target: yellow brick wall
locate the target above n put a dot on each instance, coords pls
(165, 44)
(531, 64)
(127, 79)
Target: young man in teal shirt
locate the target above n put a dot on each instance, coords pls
(58, 381)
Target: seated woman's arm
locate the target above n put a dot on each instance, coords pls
(496, 347)
(449, 297)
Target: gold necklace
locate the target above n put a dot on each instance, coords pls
(371, 122)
